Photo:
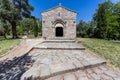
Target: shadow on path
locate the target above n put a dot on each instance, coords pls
(13, 69)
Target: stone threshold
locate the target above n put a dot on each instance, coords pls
(49, 48)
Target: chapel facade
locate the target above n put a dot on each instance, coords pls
(59, 23)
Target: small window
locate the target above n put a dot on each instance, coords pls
(59, 14)
(43, 21)
(74, 22)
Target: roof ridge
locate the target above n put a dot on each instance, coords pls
(59, 6)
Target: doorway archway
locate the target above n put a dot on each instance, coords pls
(59, 28)
(59, 32)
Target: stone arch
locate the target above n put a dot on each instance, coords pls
(59, 26)
(59, 21)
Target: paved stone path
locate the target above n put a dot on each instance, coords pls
(34, 59)
(17, 61)
(101, 72)
(25, 46)
(67, 60)
(13, 69)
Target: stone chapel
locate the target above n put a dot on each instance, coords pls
(59, 23)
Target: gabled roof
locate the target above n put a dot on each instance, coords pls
(62, 7)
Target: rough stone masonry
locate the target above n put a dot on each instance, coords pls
(59, 23)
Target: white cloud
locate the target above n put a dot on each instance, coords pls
(115, 1)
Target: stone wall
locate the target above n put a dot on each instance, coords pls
(59, 13)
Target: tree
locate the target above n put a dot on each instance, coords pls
(117, 12)
(4, 28)
(39, 26)
(106, 21)
(35, 28)
(9, 13)
(80, 29)
(85, 29)
(112, 26)
(13, 11)
(101, 20)
(27, 24)
(90, 31)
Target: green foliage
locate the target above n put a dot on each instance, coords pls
(13, 11)
(27, 26)
(35, 28)
(8, 11)
(105, 23)
(20, 30)
(80, 28)
(85, 29)
(39, 26)
(4, 28)
(23, 7)
(101, 19)
(117, 12)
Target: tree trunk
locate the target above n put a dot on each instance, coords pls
(4, 34)
(14, 31)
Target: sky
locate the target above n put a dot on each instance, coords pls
(85, 8)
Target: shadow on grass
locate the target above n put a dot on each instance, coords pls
(13, 69)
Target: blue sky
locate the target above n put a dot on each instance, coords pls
(85, 8)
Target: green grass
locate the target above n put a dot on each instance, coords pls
(110, 50)
(7, 44)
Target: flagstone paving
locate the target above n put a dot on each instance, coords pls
(101, 72)
(35, 59)
(17, 61)
(61, 60)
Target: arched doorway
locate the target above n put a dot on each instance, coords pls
(59, 32)
(59, 28)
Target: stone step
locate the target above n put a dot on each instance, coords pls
(59, 46)
(59, 41)
(52, 48)
(59, 38)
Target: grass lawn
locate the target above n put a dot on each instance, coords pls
(110, 50)
(7, 44)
